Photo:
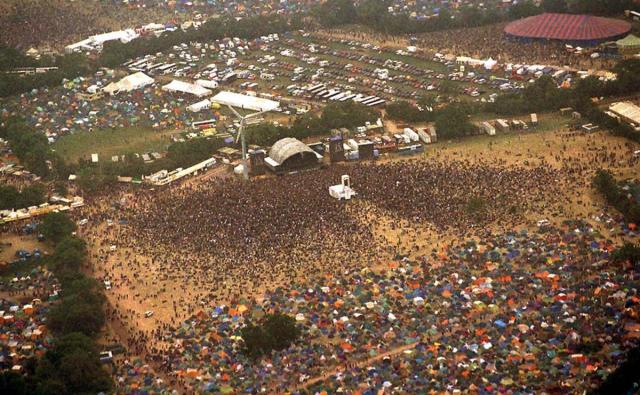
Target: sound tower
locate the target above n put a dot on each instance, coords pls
(336, 149)
(258, 167)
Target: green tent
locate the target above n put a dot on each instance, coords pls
(629, 44)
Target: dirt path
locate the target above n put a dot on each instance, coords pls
(359, 364)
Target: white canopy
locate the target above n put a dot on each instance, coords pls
(245, 101)
(129, 83)
(185, 87)
(201, 105)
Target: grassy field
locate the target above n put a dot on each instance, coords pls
(107, 143)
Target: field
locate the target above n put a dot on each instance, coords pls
(107, 143)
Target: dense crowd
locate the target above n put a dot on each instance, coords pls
(282, 225)
(54, 23)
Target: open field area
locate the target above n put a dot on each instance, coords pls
(107, 143)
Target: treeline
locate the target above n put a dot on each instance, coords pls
(31, 147)
(615, 196)
(12, 198)
(35, 154)
(375, 15)
(69, 66)
(72, 365)
(544, 94)
(334, 115)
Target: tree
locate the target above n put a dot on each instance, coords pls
(275, 332)
(60, 187)
(68, 257)
(56, 226)
(405, 111)
(33, 195)
(554, 5)
(336, 12)
(9, 197)
(523, 9)
(12, 383)
(629, 252)
(73, 366)
(75, 314)
(453, 122)
(371, 12)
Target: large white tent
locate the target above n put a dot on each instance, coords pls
(129, 83)
(199, 106)
(185, 87)
(245, 101)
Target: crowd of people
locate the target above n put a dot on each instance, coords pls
(233, 235)
(54, 23)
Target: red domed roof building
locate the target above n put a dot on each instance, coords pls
(585, 30)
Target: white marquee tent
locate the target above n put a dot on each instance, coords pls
(185, 87)
(245, 101)
(129, 83)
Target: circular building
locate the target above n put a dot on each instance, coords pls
(584, 30)
(290, 154)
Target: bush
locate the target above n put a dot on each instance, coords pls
(275, 332)
(629, 252)
(604, 182)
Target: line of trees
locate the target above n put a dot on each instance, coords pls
(334, 115)
(12, 198)
(69, 66)
(93, 177)
(73, 365)
(35, 154)
(607, 185)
